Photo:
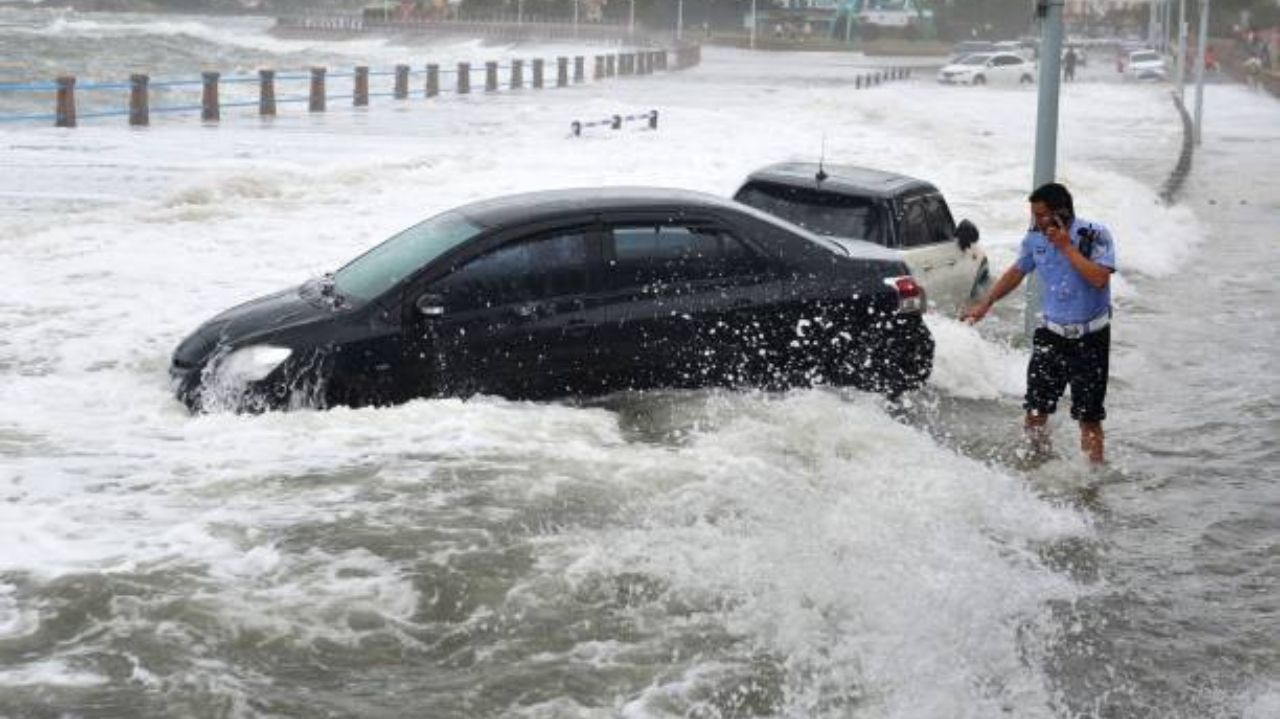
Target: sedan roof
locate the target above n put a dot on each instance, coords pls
(533, 207)
(851, 179)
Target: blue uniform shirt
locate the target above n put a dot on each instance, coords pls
(1068, 298)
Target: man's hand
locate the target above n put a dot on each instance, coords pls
(977, 312)
(1059, 236)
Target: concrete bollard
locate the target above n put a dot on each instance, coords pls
(599, 69)
(562, 71)
(517, 74)
(537, 73)
(402, 82)
(65, 103)
(316, 101)
(662, 60)
(433, 80)
(491, 77)
(464, 78)
(139, 109)
(360, 89)
(267, 93)
(579, 69)
(210, 108)
(610, 65)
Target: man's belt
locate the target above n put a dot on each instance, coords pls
(1076, 331)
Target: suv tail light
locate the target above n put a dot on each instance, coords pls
(911, 299)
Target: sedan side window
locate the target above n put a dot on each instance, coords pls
(643, 254)
(941, 226)
(520, 271)
(915, 223)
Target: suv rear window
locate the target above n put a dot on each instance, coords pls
(820, 211)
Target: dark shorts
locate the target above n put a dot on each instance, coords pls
(1057, 362)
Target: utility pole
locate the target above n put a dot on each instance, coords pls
(1050, 12)
(1151, 23)
(1182, 47)
(680, 20)
(631, 24)
(753, 24)
(1200, 51)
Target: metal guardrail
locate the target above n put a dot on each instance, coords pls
(141, 88)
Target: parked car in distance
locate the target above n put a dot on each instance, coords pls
(995, 67)
(906, 215)
(1016, 47)
(969, 47)
(571, 293)
(1145, 65)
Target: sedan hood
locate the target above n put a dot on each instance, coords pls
(262, 316)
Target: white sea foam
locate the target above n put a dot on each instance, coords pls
(810, 528)
(52, 673)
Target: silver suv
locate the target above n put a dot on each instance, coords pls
(905, 214)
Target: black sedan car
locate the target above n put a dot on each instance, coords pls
(571, 293)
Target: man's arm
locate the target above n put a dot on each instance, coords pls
(1011, 278)
(1093, 273)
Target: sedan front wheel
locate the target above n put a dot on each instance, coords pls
(979, 80)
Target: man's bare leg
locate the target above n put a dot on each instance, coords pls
(1092, 441)
(1037, 434)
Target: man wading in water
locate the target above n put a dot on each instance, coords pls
(1075, 259)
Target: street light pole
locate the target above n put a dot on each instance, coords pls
(753, 24)
(631, 24)
(1046, 130)
(680, 20)
(1201, 47)
(1182, 47)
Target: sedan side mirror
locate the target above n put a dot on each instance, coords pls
(966, 234)
(430, 305)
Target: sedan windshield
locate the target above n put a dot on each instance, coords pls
(1144, 57)
(381, 268)
(819, 211)
(974, 60)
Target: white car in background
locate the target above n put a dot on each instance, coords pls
(1145, 65)
(997, 68)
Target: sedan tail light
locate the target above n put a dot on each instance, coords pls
(911, 299)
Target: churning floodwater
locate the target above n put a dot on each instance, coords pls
(687, 554)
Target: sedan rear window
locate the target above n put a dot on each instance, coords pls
(819, 211)
(383, 267)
